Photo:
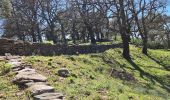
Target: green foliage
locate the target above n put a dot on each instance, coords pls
(4, 68)
(48, 42)
(137, 42)
(151, 44)
(9, 91)
(5, 8)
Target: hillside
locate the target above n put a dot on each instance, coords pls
(101, 76)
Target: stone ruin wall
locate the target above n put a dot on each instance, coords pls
(16, 47)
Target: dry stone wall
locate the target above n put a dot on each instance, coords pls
(25, 48)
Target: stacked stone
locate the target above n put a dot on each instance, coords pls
(5, 45)
(36, 83)
(14, 47)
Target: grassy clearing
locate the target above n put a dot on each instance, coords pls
(91, 80)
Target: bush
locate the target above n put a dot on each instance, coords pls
(4, 68)
(137, 42)
(151, 44)
(156, 45)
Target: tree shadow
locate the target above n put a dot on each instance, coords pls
(158, 62)
(153, 78)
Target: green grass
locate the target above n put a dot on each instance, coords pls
(9, 91)
(90, 75)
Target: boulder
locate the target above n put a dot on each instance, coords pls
(49, 96)
(63, 72)
(37, 89)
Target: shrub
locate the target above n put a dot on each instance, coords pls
(4, 68)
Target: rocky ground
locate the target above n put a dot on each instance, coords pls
(27, 77)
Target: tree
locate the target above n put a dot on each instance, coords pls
(121, 13)
(5, 8)
(145, 12)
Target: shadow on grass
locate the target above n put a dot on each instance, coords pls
(149, 76)
(158, 62)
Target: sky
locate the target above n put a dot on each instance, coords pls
(168, 8)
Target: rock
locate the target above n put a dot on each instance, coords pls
(22, 66)
(27, 70)
(37, 89)
(14, 64)
(1, 95)
(7, 55)
(21, 81)
(29, 76)
(2, 58)
(63, 72)
(49, 96)
(33, 83)
(20, 93)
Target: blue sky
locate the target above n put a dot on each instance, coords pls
(168, 10)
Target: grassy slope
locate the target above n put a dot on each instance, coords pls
(90, 78)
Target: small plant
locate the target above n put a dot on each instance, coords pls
(4, 68)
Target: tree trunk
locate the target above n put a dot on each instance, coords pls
(102, 35)
(63, 34)
(73, 35)
(126, 51)
(83, 36)
(97, 34)
(52, 34)
(145, 45)
(73, 38)
(34, 37)
(115, 37)
(53, 37)
(168, 40)
(39, 34)
(124, 31)
(91, 34)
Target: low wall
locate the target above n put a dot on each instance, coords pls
(25, 48)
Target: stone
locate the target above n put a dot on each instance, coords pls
(29, 84)
(25, 77)
(37, 89)
(1, 95)
(14, 64)
(63, 72)
(49, 96)
(27, 70)
(21, 67)
(22, 81)
(8, 55)
(2, 58)
(20, 93)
